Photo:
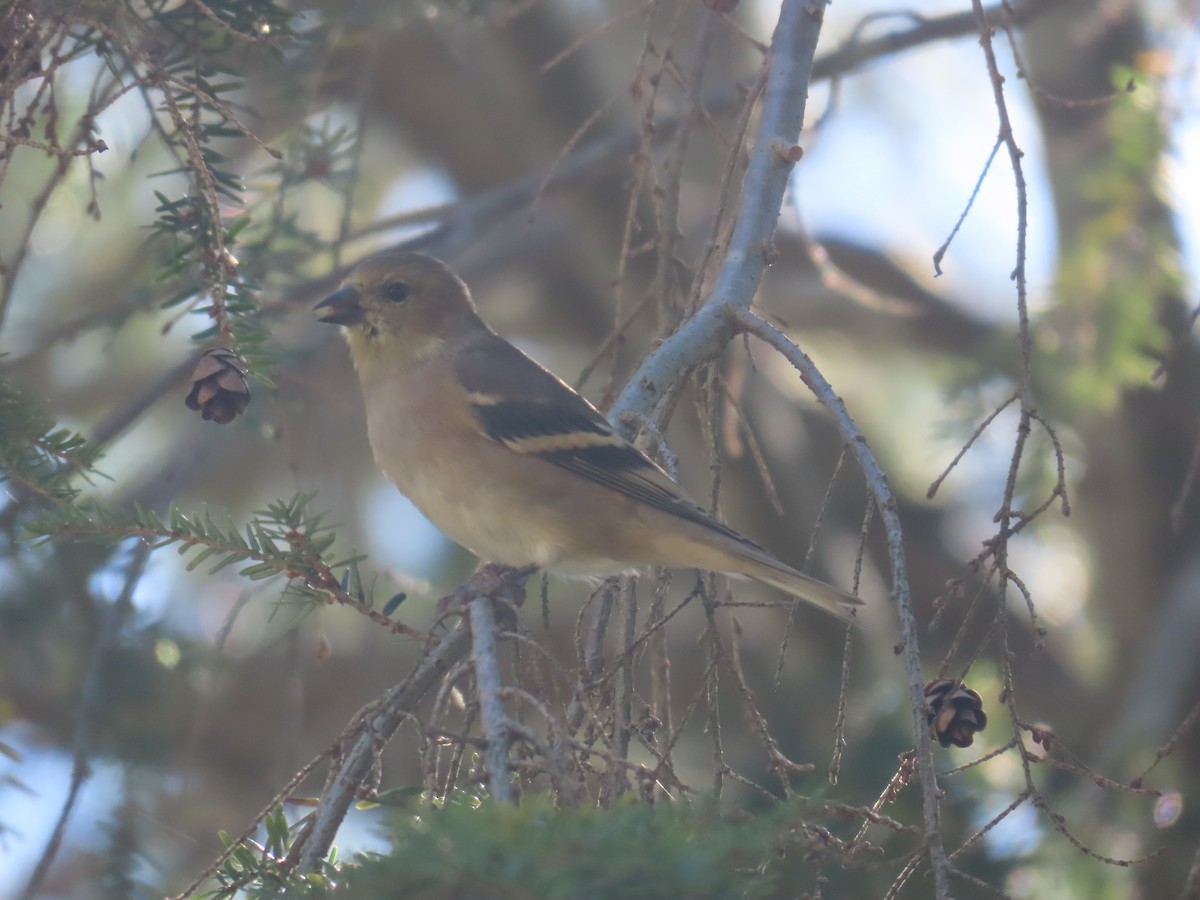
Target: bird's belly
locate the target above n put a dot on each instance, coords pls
(498, 521)
(470, 505)
(503, 507)
(472, 519)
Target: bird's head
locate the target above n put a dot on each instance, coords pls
(400, 303)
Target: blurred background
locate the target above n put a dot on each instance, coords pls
(513, 140)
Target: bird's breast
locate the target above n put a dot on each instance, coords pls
(429, 444)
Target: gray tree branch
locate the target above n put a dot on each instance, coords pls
(487, 692)
(704, 336)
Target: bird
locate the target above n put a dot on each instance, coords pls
(507, 459)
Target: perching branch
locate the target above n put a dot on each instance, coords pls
(340, 791)
(487, 690)
(398, 705)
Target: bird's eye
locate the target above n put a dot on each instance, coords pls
(395, 292)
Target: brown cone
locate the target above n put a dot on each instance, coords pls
(955, 712)
(220, 391)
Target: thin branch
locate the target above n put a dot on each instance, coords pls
(668, 204)
(281, 796)
(1015, 154)
(962, 451)
(623, 701)
(887, 506)
(854, 53)
(397, 705)
(313, 845)
(941, 251)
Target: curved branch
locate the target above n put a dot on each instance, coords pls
(886, 504)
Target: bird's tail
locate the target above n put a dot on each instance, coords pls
(804, 587)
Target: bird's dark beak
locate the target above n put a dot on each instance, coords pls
(343, 306)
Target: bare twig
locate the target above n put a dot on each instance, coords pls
(941, 251)
(623, 705)
(668, 205)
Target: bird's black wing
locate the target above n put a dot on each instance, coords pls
(527, 409)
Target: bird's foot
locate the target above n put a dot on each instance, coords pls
(490, 580)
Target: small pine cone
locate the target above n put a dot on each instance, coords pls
(220, 391)
(955, 712)
(648, 724)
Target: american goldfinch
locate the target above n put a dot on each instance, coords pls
(508, 460)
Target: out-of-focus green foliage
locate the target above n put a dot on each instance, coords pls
(1106, 332)
(37, 456)
(631, 850)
